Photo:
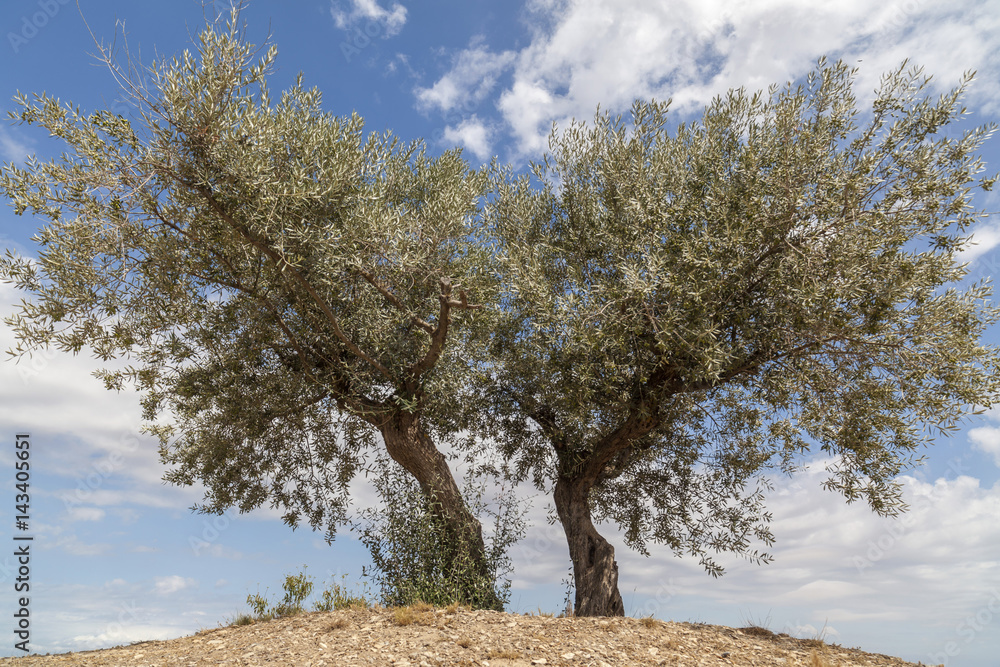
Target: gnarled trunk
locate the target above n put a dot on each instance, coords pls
(595, 572)
(410, 446)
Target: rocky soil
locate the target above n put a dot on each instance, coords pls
(413, 637)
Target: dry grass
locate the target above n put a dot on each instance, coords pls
(338, 624)
(757, 631)
(503, 653)
(420, 613)
(816, 661)
(403, 615)
(244, 619)
(464, 642)
(649, 622)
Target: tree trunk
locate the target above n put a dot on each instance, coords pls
(595, 572)
(410, 446)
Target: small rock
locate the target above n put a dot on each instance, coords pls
(540, 661)
(653, 651)
(567, 656)
(725, 655)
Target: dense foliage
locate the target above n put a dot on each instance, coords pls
(686, 310)
(645, 325)
(291, 290)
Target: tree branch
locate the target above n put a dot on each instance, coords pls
(637, 425)
(441, 332)
(394, 300)
(283, 265)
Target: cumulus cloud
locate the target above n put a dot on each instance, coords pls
(608, 52)
(12, 149)
(172, 584)
(364, 11)
(73, 546)
(472, 77)
(836, 568)
(118, 634)
(985, 237)
(987, 440)
(86, 514)
(104, 460)
(472, 135)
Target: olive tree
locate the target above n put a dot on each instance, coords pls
(290, 291)
(688, 311)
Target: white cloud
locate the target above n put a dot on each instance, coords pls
(836, 565)
(987, 440)
(821, 590)
(368, 12)
(609, 52)
(172, 584)
(118, 634)
(86, 514)
(73, 546)
(472, 77)
(472, 135)
(12, 149)
(985, 237)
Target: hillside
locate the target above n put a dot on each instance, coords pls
(433, 638)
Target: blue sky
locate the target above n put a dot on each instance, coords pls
(118, 557)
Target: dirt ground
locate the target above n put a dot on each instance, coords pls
(433, 638)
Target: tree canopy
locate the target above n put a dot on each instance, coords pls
(290, 289)
(686, 310)
(646, 325)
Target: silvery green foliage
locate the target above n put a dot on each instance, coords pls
(687, 310)
(280, 280)
(413, 560)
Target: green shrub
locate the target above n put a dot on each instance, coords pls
(414, 559)
(298, 588)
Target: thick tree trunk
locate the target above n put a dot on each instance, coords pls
(410, 446)
(595, 572)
